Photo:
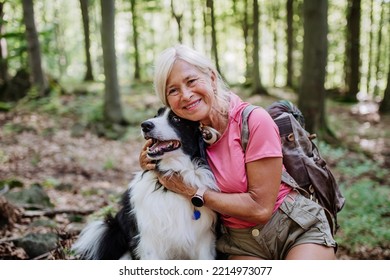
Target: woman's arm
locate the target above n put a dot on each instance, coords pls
(254, 206)
(258, 203)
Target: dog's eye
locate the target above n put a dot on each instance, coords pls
(176, 119)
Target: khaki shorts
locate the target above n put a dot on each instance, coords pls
(297, 221)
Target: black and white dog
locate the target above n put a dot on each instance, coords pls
(155, 223)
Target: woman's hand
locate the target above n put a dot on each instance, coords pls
(175, 183)
(144, 161)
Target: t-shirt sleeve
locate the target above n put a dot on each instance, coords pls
(264, 139)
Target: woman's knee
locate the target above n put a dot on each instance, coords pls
(311, 252)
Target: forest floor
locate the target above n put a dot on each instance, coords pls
(83, 173)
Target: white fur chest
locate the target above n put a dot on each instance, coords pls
(167, 228)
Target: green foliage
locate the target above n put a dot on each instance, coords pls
(109, 164)
(35, 159)
(62, 44)
(5, 106)
(11, 183)
(3, 157)
(109, 210)
(15, 128)
(89, 109)
(353, 166)
(50, 183)
(365, 219)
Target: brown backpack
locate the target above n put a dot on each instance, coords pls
(306, 170)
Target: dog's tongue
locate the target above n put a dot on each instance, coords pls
(159, 145)
(163, 146)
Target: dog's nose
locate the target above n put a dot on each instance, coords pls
(147, 126)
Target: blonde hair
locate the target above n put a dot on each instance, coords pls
(164, 66)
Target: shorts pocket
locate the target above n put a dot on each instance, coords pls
(304, 212)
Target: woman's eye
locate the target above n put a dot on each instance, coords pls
(173, 92)
(192, 81)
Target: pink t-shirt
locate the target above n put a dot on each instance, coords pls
(227, 159)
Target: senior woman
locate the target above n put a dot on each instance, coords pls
(262, 218)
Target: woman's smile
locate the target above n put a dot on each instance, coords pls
(193, 105)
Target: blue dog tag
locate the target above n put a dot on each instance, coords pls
(196, 215)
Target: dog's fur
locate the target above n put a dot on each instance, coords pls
(155, 223)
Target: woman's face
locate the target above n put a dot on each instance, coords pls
(190, 93)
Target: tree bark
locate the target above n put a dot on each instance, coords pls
(214, 42)
(257, 87)
(379, 53)
(290, 44)
(34, 50)
(275, 7)
(369, 67)
(84, 4)
(352, 63)
(112, 102)
(4, 77)
(312, 92)
(178, 17)
(384, 107)
(137, 68)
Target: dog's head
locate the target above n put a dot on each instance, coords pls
(171, 133)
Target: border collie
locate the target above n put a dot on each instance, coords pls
(155, 223)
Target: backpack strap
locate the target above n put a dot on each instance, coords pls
(286, 177)
(244, 125)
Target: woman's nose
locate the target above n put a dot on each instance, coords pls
(187, 93)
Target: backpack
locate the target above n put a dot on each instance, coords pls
(306, 170)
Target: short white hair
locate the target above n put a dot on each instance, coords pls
(164, 66)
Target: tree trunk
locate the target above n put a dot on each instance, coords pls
(137, 70)
(257, 87)
(214, 43)
(290, 44)
(112, 102)
(3, 51)
(178, 17)
(33, 47)
(206, 39)
(84, 4)
(244, 23)
(275, 8)
(193, 17)
(369, 68)
(384, 107)
(379, 54)
(352, 63)
(312, 93)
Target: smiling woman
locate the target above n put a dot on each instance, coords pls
(199, 71)
(190, 92)
(261, 217)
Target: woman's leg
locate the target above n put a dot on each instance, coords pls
(311, 252)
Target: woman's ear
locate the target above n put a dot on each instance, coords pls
(213, 77)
